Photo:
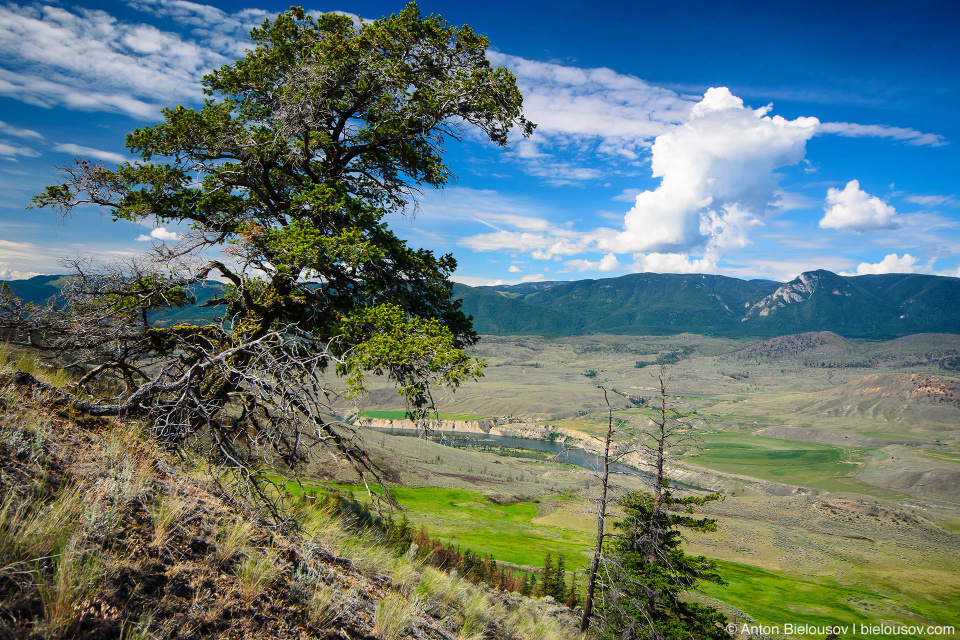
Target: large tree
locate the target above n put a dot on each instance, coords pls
(283, 177)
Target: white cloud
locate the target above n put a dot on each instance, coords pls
(627, 195)
(18, 132)
(621, 113)
(160, 233)
(853, 209)
(474, 281)
(607, 263)
(6, 273)
(910, 136)
(99, 154)
(717, 176)
(892, 263)
(533, 277)
(717, 182)
(11, 151)
(933, 201)
(514, 269)
(671, 263)
(46, 94)
(89, 60)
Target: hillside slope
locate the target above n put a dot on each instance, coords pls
(101, 536)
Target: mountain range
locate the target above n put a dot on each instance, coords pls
(878, 307)
(866, 307)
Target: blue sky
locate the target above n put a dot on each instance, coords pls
(750, 139)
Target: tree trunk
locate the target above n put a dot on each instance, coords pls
(601, 516)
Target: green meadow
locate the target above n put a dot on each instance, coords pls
(521, 534)
(470, 520)
(776, 598)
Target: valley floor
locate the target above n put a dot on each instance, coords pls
(841, 463)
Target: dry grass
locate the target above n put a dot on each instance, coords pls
(322, 606)
(232, 539)
(76, 575)
(393, 616)
(165, 512)
(258, 569)
(35, 529)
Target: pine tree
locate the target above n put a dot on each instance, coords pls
(546, 584)
(647, 573)
(559, 585)
(573, 596)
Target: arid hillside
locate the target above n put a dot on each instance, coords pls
(103, 536)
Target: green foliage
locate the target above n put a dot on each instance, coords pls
(301, 149)
(647, 573)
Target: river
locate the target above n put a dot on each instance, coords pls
(578, 457)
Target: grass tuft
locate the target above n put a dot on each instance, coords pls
(76, 574)
(165, 513)
(258, 569)
(393, 616)
(231, 540)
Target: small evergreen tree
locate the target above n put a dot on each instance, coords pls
(559, 592)
(646, 573)
(546, 584)
(573, 595)
(525, 587)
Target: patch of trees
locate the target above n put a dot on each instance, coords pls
(667, 357)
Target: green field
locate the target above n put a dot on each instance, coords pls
(518, 533)
(802, 463)
(778, 598)
(469, 519)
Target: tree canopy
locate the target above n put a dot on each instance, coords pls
(283, 179)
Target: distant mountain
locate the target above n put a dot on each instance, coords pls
(39, 289)
(877, 307)
(867, 307)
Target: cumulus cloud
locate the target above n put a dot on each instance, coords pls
(607, 263)
(853, 209)
(892, 263)
(717, 182)
(910, 136)
(6, 273)
(514, 269)
(671, 263)
(160, 233)
(90, 152)
(717, 176)
(533, 277)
